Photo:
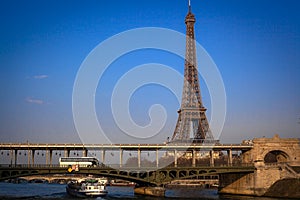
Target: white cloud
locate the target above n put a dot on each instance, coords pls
(34, 101)
(40, 76)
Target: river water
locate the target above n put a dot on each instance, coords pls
(30, 191)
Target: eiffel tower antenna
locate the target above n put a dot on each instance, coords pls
(190, 9)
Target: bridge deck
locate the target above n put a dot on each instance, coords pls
(129, 147)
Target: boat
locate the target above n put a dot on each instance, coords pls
(119, 182)
(87, 188)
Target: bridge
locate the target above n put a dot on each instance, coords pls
(262, 162)
(159, 174)
(177, 149)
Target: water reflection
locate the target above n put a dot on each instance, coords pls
(57, 191)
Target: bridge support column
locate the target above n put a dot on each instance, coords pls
(31, 153)
(67, 153)
(194, 158)
(32, 156)
(121, 157)
(28, 156)
(47, 157)
(139, 158)
(212, 162)
(229, 155)
(150, 191)
(50, 157)
(84, 153)
(16, 157)
(175, 158)
(11, 157)
(157, 163)
(103, 156)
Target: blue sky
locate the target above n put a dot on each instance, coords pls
(255, 45)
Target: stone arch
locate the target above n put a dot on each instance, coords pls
(276, 156)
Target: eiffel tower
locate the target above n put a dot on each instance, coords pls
(192, 124)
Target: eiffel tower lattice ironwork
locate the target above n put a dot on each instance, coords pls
(192, 124)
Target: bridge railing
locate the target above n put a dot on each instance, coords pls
(28, 166)
(41, 166)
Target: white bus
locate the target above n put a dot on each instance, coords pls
(79, 161)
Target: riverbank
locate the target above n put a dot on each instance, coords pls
(286, 188)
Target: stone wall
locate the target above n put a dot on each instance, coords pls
(236, 183)
(266, 175)
(255, 184)
(262, 146)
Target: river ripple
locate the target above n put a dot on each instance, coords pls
(56, 191)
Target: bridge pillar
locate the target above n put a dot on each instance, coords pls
(47, 157)
(16, 157)
(103, 156)
(229, 159)
(175, 158)
(157, 158)
(121, 157)
(11, 157)
(194, 158)
(32, 154)
(211, 154)
(50, 157)
(67, 153)
(84, 153)
(28, 161)
(139, 158)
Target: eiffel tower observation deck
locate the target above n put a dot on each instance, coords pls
(192, 124)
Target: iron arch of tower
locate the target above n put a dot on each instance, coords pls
(192, 124)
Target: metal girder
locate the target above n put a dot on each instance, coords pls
(143, 176)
